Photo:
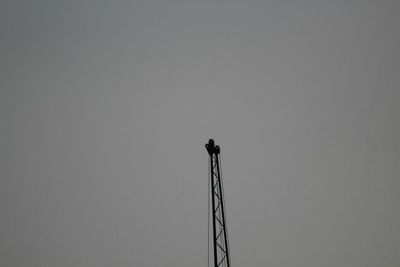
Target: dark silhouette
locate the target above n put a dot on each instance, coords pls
(220, 238)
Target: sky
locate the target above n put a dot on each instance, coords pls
(105, 107)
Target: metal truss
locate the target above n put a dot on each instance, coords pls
(220, 238)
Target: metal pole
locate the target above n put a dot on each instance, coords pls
(213, 213)
(211, 151)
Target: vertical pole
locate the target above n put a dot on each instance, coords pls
(213, 208)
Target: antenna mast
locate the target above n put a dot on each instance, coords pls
(220, 238)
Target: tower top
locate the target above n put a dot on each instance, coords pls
(212, 148)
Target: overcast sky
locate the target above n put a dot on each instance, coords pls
(105, 107)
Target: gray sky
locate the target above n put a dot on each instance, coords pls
(105, 107)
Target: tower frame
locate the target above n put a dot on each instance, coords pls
(220, 237)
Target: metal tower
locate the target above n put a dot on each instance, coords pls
(220, 238)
